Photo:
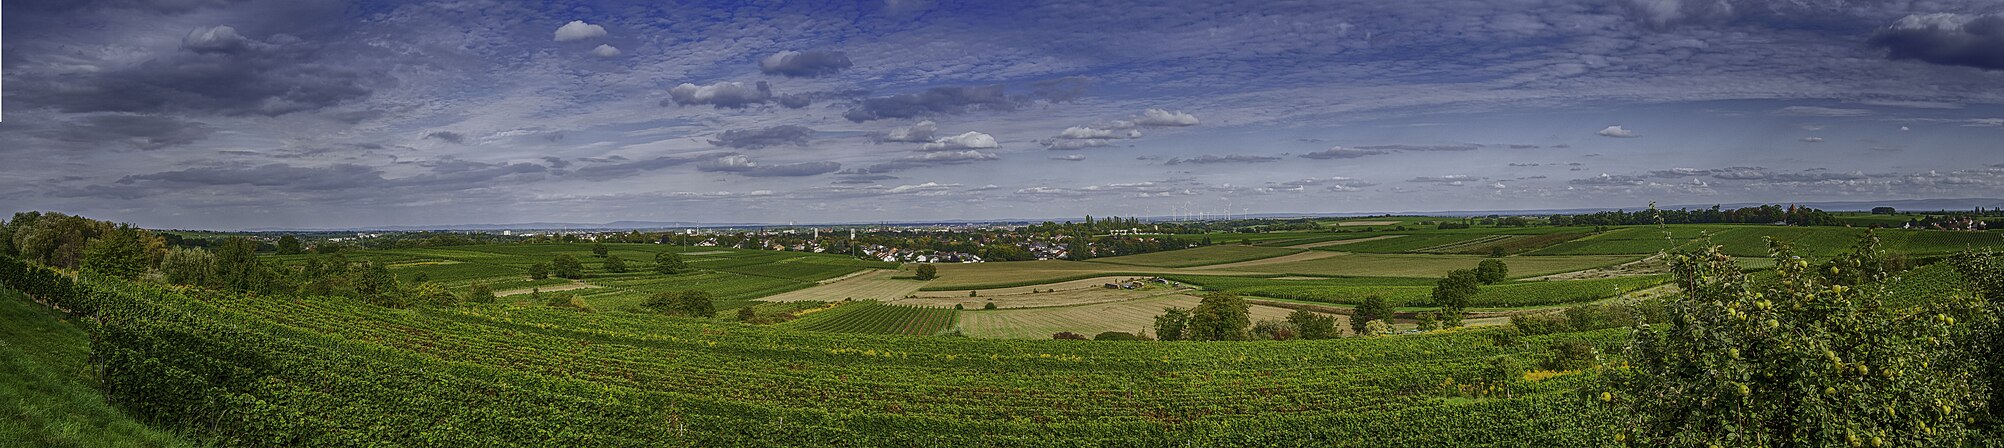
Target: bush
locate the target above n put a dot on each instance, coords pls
(927, 272)
(614, 265)
(688, 303)
(480, 293)
(1171, 325)
(1569, 355)
(988, 306)
(1311, 325)
(1373, 308)
(1492, 271)
(539, 271)
(1117, 336)
(566, 266)
(669, 263)
(1273, 330)
(1069, 335)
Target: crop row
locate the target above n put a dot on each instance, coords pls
(1418, 292)
(876, 318)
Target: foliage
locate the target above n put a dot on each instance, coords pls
(1117, 336)
(1427, 321)
(1793, 362)
(689, 303)
(1490, 272)
(1312, 325)
(1273, 330)
(539, 271)
(927, 272)
(1454, 291)
(480, 293)
(669, 263)
(1374, 308)
(189, 266)
(289, 245)
(1570, 355)
(1172, 325)
(988, 306)
(614, 264)
(117, 253)
(1376, 328)
(599, 249)
(428, 293)
(566, 266)
(1219, 316)
(1984, 274)
(1066, 335)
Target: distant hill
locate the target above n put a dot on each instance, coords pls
(1835, 206)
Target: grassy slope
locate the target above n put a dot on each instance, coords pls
(46, 392)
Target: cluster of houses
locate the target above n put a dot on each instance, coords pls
(896, 255)
(1949, 223)
(1142, 283)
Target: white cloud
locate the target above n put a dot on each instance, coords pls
(1159, 117)
(605, 51)
(921, 132)
(968, 140)
(1905, 129)
(1616, 131)
(1813, 139)
(579, 30)
(1083, 132)
(1070, 158)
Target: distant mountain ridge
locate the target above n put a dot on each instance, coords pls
(1835, 206)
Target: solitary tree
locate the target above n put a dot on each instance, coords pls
(1492, 271)
(927, 272)
(669, 263)
(1220, 316)
(614, 265)
(237, 265)
(1171, 325)
(539, 271)
(566, 266)
(1314, 325)
(1453, 293)
(599, 249)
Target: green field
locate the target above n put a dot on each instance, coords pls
(47, 388)
(1426, 265)
(1198, 256)
(870, 317)
(1416, 292)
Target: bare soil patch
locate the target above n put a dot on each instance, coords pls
(1304, 256)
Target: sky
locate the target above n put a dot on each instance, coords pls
(226, 114)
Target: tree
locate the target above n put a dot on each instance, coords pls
(190, 266)
(927, 272)
(1274, 330)
(614, 265)
(599, 249)
(117, 253)
(1491, 272)
(237, 265)
(480, 293)
(1793, 361)
(1314, 325)
(1376, 328)
(289, 245)
(374, 283)
(1171, 325)
(669, 263)
(1502, 370)
(539, 271)
(1453, 292)
(1428, 321)
(687, 303)
(1220, 316)
(566, 266)
(1373, 308)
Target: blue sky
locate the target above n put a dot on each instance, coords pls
(234, 114)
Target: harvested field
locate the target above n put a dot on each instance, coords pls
(868, 285)
(1128, 316)
(1366, 223)
(1341, 242)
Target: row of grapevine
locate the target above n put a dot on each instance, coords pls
(876, 318)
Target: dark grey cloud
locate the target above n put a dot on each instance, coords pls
(1947, 39)
(140, 131)
(296, 178)
(448, 136)
(1208, 159)
(764, 137)
(739, 164)
(804, 64)
(934, 101)
(1455, 180)
(624, 167)
(217, 71)
(1453, 147)
(1061, 90)
(1342, 153)
(1605, 180)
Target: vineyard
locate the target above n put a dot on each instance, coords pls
(870, 317)
(313, 371)
(1415, 292)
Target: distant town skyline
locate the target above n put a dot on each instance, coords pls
(315, 114)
